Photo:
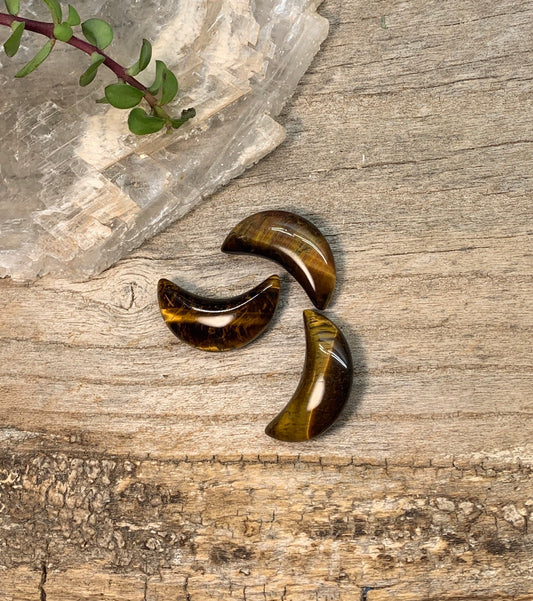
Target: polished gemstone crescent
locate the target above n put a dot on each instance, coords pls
(324, 386)
(218, 324)
(293, 242)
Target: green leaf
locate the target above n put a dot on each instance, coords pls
(98, 32)
(13, 6)
(123, 96)
(158, 81)
(103, 100)
(169, 88)
(144, 59)
(73, 16)
(63, 32)
(55, 10)
(96, 60)
(185, 116)
(164, 78)
(13, 43)
(39, 58)
(140, 123)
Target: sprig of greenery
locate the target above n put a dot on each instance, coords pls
(128, 92)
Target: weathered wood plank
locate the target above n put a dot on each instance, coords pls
(228, 528)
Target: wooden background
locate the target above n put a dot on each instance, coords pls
(134, 468)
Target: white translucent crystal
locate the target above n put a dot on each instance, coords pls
(77, 190)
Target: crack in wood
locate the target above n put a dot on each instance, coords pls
(44, 573)
(364, 592)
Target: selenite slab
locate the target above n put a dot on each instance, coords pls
(77, 190)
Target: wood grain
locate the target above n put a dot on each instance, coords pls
(134, 467)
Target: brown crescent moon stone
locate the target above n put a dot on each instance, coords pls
(324, 386)
(292, 242)
(218, 324)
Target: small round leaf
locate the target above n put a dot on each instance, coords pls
(123, 96)
(63, 32)
(13, 43)
(13, 7)
(144, 59)
(141, 124)
(98, 32)
(73, 16)
(169, 88)
(96, 60)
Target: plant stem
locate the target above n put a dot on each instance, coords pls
(47, 29)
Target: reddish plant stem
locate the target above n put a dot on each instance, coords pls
(47, 29)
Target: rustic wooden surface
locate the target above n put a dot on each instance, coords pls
(135, 468)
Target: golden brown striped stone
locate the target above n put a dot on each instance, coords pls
(218, 324)
(324, 386)
(294, 243)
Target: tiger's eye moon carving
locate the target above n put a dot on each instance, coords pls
(293, 242)
(324, 386)
(218, 324)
